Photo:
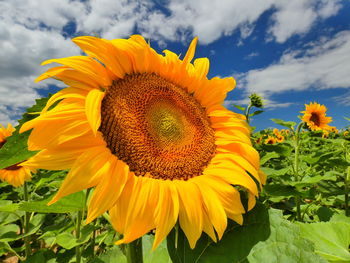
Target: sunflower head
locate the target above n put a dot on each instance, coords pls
(325, 134)
(150, 134)
(276, 132)
(315, 117)
(280, 138)
(5, 132)
(334, 129)
(256, 100)
(14, 174)
(270, 140)
(346, 133)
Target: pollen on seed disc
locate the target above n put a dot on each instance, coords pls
(156, 127)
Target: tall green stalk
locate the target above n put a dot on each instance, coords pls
(347, 182)
(77, 235)
(26, 222)
(296, 168)
(134, 251)
(247, 112)
(80, 217)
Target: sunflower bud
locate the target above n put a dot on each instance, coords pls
(255, 100)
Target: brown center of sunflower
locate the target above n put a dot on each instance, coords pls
(315, 118)
(156, 127)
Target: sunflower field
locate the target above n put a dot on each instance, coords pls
(136, 160)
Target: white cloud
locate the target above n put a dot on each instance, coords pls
(32, 30)
(22, 49)
(343, 99)
(268, 104)
(298, 16)
(251, 55)
(325, 65)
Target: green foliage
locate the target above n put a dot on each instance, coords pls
(270, 232)
(284, 244)
(331, 239)
(288, 124)
(234, 246)
(15, 150)
(68, 204)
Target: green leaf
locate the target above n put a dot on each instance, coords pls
(275, 173)
(9, 233)
(7, 206)
(5, 247)
(280, 190)
(35, 224)
(256, 113)
(332, 239)
(42, 256)
(68, 241)
(283, 149)
(239, 107)
(160, 255)
(268, 156)
(71, 203)
(15, 150)
(284, 244)
(113, 255)
(288, 124)
(311, 180)
(348, 119)
(324, 213)
(234, 246)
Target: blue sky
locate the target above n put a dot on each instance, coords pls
(290, 52)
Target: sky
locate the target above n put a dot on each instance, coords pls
(289, 52)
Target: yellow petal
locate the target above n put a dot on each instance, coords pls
(51, 160)
(93, 109)
(113, 58)
(190, 52)
(166, 212)
(108, 189)
(191, 210)
(88, 169)
(213, 207)
(120, 209)
(140, 218)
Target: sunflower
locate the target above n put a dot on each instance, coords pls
(325, 134)
(276, 132)
(150, 134)
(334, 129)
(315, 117)
(270, 140)
(14, 174)
(280, 138)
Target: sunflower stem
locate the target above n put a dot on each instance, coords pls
(26, 222)
(296, 168)
(247, 111)
(347, 183)
(134, 251)
(77, 235)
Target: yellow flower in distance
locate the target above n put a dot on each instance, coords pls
(315, 117)
(149, 132)
(280, 138)
(334, 129)
(276, 132)
(325, 134)
(270, 140)
(14, 174)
